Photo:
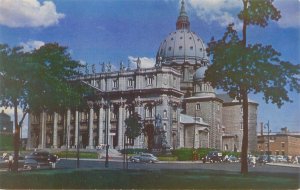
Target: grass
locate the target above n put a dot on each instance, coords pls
(137, 179)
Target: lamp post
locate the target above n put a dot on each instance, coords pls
(267, 125)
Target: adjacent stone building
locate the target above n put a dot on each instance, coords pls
(6, 125)
(171, 98)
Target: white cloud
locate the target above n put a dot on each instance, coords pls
(222, 12)
(31, 45)
(290, 13)
(146, 62)
(225, 12)
(28, 13)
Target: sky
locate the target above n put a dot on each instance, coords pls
(97, 31)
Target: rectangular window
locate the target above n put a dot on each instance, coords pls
(282, 144)
(115, 83)
(130, 82)
(198, 107)
(149, 80)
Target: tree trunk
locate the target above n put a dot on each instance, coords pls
(244, 157)
(16, 139)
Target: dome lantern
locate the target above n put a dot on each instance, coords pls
(183, 20)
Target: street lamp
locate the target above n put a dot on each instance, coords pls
(267, 125)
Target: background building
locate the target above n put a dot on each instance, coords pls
(6, 125)
(280, 143)
(171, 97)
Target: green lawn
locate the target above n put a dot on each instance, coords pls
(133, 179)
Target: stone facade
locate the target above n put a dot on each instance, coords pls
(192, 114)
(233, 122)
(6, 125)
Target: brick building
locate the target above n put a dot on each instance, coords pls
(281, 143)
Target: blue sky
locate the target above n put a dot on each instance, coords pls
(97, 31)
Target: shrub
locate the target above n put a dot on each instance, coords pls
(183, 154)
(134, 150)
(73, 154)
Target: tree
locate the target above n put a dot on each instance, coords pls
(134, 126)
(37, 81)
(240, 69)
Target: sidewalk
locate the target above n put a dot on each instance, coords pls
(284, 164)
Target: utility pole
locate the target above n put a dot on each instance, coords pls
(267, 125)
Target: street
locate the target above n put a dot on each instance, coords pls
(118, 164)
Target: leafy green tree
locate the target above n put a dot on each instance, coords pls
(240, 69)
(134, 126)
(37, 81)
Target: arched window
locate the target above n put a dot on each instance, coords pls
(148, 111)
(165, 114)
(226, 147)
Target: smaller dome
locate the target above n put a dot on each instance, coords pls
(200, 73)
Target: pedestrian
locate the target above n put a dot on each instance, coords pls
(10, 162)
(295, 160)
(53, 160)
(253, 161)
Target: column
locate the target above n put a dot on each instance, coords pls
(43, 131)
(76, 128)
(55, 115)
(91, 123)
(109, 127)
(120, 126)
(100, 126)
(29, 141)
(68, 127)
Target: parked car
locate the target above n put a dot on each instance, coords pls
(135, 158)
(280, 158)
(144, 157)
(38, 159)
(213, 156)
(230, 159)
(262, 159)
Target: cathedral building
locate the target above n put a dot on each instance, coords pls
(171, 97)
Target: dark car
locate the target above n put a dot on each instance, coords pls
(38, 159)
(262, 159)
(213, 156)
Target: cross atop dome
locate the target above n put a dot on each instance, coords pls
(182, 20)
